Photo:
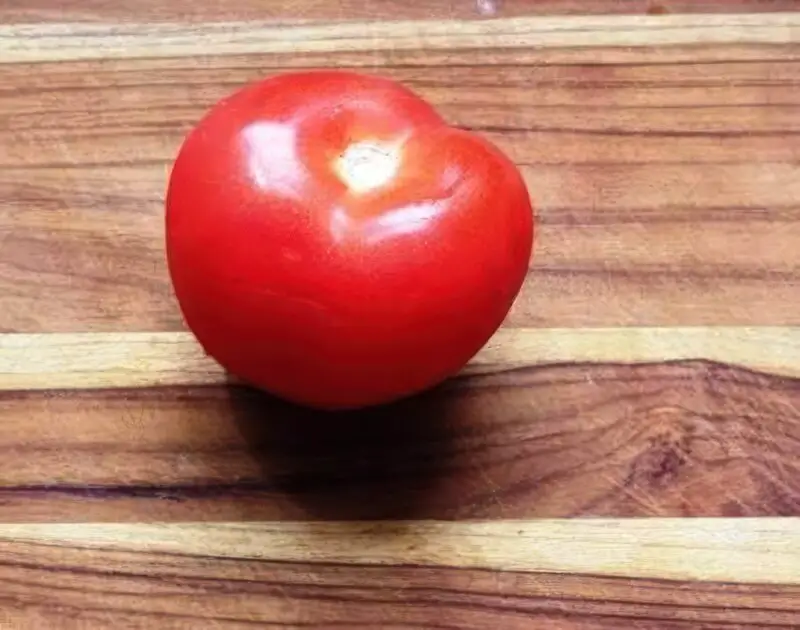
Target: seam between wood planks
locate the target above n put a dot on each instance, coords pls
(142, 359)
(20, 43)
(765, 550)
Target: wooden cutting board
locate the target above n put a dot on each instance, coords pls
(625, 453)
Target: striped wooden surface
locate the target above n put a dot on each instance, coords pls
(592, 468)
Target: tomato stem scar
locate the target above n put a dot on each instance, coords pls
(365, 166)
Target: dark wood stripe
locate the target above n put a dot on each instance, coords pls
(673, 439)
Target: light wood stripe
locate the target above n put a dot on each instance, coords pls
(762, 550)
(75, 41)
(104, 360)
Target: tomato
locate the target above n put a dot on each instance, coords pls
(332, 240)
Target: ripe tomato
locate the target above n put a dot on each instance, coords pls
(333, 241)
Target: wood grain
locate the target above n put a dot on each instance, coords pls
(118, 360)
(680, 438)
(36, 11)
(44, 42)
(634, 548)
(666, 178)
(621, 574)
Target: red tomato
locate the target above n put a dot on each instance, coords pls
(333, 241)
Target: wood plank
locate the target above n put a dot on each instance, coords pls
(512, 438)
(578, 575)
(12, 11)
(666, 179)
(119, 360)
(754, 551)
(20, 43)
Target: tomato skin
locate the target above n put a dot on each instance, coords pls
(318, 284)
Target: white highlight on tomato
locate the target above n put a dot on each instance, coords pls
(272, 159)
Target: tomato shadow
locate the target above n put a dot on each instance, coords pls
(383, 463)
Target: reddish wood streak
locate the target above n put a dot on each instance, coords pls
(39, 581)
(152, 10)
